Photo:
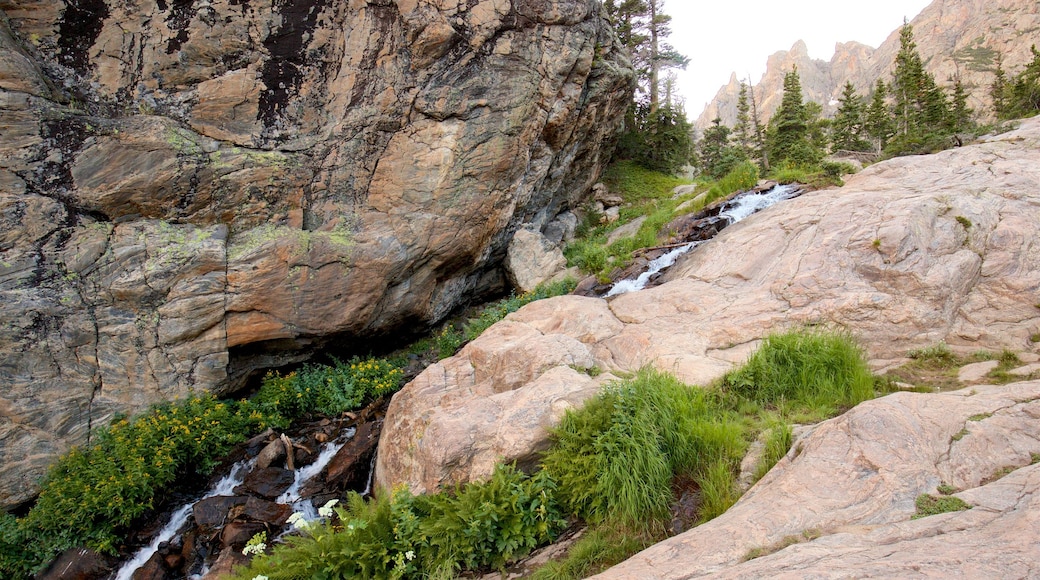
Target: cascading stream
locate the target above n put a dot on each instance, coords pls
(226, 486)
(223, 487)
(731, 212)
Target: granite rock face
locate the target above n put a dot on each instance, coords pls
(910, 252)
(193, 191)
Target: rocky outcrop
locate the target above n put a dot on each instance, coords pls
(192, 191)
(910, 252)
(954, 38)
(851, 485)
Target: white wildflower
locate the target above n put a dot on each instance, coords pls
(260, 577)
(298, 521)
(409, 555)
(325, 511)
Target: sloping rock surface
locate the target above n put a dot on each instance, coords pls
(910, 252)
(853, 481)
(190, 191)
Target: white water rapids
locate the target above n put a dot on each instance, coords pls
(732, 212)
(179, 517)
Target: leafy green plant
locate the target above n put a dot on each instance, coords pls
(406, 536)
(930, 505)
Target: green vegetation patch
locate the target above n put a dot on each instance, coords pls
(400, 535)
(92, 495)
(930, 505)
(816, 368)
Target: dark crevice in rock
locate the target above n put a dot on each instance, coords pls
(287, 47)
(79, 27)
(180, 17)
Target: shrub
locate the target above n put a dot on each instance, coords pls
(325, 389)
(930, 505)
(406, 536)
(814, 368)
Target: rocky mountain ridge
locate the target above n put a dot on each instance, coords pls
(954, 37)
(193, 191)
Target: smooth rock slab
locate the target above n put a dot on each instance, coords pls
(976, 371)
(854, 479)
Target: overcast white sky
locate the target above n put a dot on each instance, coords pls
(725, 36)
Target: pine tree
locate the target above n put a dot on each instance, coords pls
(960, 117)
(847, 128)
(717, 156)
(879, 125)
(908, 83)
(998, 90)
(759, 135)
(789, 139)
(743, 135)
(1023, 92)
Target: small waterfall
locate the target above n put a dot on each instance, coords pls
(655, 266)
(730, 213)
(302, 475)
(179, 517)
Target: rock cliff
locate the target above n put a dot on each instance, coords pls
(910, 252)
(190, 191)
(954, 37)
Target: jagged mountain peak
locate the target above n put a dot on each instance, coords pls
(954, 37)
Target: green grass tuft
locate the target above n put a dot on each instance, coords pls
(808, 368)
(930, 505)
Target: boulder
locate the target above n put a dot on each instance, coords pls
(532, 259)
(350, 467)
(627, 230)
(884, 257)
(562, 228)
(191, 193)
(268, 482)
(852, 483)
(78, 564)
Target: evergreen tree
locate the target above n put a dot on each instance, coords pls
(879, 125)
(847, 128)
(1023, 92)
(743, 132)
(998, 89)
(759, 135)
(789, 139)
(908, 83)
(919, 105)
(717, 156)
(960, 117)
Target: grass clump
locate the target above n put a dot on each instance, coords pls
(451, 338)
(598, 549)
(815, 368)
(742, 177)
(478, 525)
(615, 459)
(805, 536)
(777, 445)
(930, 505)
